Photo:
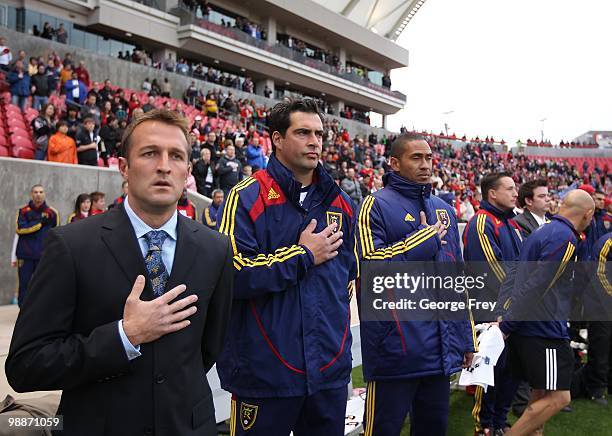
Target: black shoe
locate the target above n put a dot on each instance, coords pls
(601, 401)
(567, 409)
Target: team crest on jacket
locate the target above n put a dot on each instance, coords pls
(443, 217)
(334, 218)
(248, 415)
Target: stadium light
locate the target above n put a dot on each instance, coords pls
(542, 130)
(446, 114)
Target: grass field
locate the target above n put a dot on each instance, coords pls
(587, 419)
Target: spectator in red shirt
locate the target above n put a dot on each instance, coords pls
(186, 207)
(97, 203)
(133, 104)
(106, 112)
(83, 74)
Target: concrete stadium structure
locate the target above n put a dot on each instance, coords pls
(131, 75)
(167, 27)
(98, 29)
(62, 184)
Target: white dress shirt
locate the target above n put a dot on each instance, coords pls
(168, 249)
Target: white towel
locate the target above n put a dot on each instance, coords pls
(490, 346)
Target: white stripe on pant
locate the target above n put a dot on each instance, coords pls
(551, 369)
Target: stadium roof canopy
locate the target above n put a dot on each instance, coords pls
(388, 18)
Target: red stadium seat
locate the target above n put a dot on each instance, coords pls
(3, 141)
(18, 131)
(4, 152)
(23, 153)
(16, 124)
(12, 117)
(22, 141)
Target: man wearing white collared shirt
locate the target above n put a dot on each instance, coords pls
(534, 199)
(141, 229)
(140, 356)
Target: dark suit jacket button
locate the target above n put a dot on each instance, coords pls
(160, 379)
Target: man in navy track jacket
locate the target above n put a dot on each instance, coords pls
(493, 239)
(287, 360)
(407, 364)
(540, 305)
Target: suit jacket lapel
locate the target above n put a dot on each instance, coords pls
(185, 253)
(118, 235)
(532, 221)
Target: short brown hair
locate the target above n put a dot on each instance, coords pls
(165, 116)
(97, 195)
(490, 182)
(527, 188)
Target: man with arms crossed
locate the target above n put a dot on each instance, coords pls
(120, 318)
(535, 323)
(407, 364)
(287, 360)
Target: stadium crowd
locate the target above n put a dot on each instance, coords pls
(351, 163)
(503, 196)
(81, 121)
(90, 124)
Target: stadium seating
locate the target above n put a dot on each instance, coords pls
(16, 137)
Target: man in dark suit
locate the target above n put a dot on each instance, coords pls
(534, 199)
(117, 314)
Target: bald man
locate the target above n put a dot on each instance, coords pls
(535, 324)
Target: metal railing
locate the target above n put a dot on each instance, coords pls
(189, 18)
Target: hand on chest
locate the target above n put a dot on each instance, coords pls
(284, 227)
